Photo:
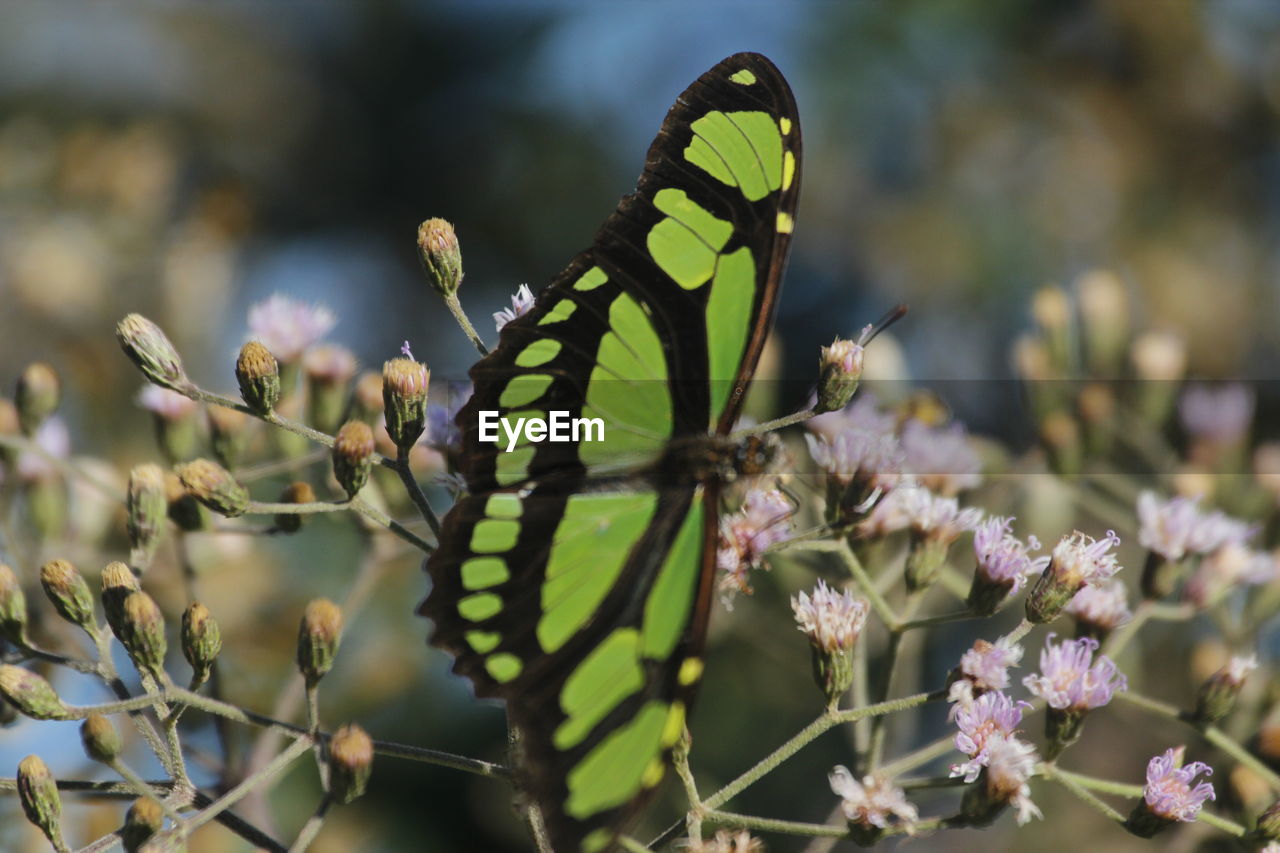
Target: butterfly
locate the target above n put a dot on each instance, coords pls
(574, 579)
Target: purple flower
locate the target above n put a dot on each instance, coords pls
(1167, 527)
(1002, 557)
(939, 518)
(980, 722)
(1104, 605)
(858, 454)
(1215, 530)
(1227, 567)
(986, 665)
(1221, 415)
(832, 620)
(1169, 792)
(889, 513)
(941, 458)
(1070, 678)
(521, 302)
(287, 326)
(873, 802)
(1080, 559)
(763, 520)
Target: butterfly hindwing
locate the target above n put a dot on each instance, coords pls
(575, 578)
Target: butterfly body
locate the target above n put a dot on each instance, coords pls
(574, 579)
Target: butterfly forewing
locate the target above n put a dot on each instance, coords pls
(570, 581)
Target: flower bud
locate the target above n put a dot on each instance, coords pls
(13, 608)
(147, 507)
(101, 739)
(1104, 312)
(211, 484)
(1159, 363)
(142, 633)
(924, 558)
(228, 434)
(201, 641)
(366, 402)
(37, 397)
(118, 581)
(350, 763)
(67, 590)
(1268, 826)
(184, 510)
(143, 820)
(148, 347)
(404, 395)
(40, 801)
(328, 369)
(353, 450)
(318, 639)
(1052, 312)
(258, 373)
(30, 694)
(440, 255)
(1060, 435)
(840, 368)
(1218, 694)
(299, 492)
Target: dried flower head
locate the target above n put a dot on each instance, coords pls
(212, 485)
(1077, 560)
(258, 374)
(873, 802)
(319, 635)
(350, 762)
(1010, 763)
(353, 451)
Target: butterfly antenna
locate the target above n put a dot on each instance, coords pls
(869, 331)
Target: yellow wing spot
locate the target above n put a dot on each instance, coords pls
(653, 773)
(674, 726)
(785, 222)
(784, 125)
(745, 77)
(690, 671)
(788, 169)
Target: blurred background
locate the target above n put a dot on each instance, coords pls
(187, 160)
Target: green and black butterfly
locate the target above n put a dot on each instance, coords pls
(574, 579)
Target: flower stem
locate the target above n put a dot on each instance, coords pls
(464, 322)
